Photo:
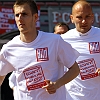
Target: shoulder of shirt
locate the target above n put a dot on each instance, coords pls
(96, 30)
(49, 34)
(12, 41)
(69, 33)
(9, 43)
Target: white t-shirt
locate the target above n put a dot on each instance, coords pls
(13, 85)
(43, 58)
(86, 86)
(12, 80)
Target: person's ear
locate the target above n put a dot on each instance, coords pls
(36, 17)
(71, 17)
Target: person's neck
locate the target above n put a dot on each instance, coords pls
(28, 37)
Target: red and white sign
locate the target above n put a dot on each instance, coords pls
(34, 77)
(87, 69)
(42, 54)
(94, 47)
(7, 22)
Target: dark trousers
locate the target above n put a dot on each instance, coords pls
(6, 91)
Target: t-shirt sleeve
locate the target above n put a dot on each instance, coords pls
(12, 80)
(66, 54)
(5, 66)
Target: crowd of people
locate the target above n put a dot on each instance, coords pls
(38, 59)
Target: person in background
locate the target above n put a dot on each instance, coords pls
(61, 28)
(37, 58)
(85, 38)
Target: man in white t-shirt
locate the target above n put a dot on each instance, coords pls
(86, 39)
(37, 58)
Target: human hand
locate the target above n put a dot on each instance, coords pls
(12, 88)
(98, 71)
(50, 86)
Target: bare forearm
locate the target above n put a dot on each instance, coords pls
(69, 75)
(1, 79)
(51, 87)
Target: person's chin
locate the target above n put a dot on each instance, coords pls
(23, 31)
(84, 28)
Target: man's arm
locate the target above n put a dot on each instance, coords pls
(73, 72)
(1, 79)
(69, 75)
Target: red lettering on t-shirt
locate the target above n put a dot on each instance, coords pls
(42, 54)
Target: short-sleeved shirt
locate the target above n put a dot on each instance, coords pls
(43, 58)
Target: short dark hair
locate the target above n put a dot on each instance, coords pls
(61, 24)
(31, 3)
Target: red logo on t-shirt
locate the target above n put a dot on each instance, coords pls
(94, 47)
(42, 54)
(87, 68)
(34, 77)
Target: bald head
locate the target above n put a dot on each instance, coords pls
(82, 16)
(81, 4)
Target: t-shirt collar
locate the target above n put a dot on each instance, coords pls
(85, 34)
